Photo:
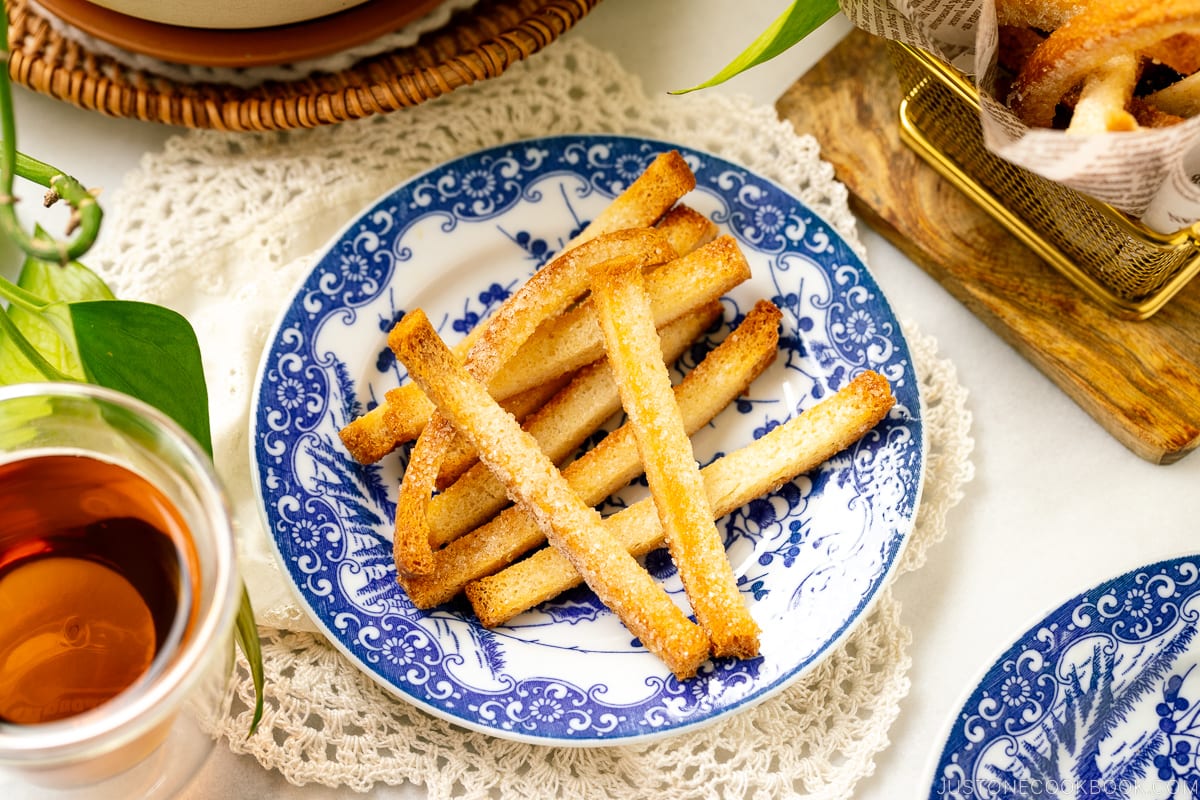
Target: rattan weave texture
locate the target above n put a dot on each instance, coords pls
(477, 44)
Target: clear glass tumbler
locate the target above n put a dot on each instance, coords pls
(119, 591)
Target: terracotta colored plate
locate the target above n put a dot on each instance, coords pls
(250, 47)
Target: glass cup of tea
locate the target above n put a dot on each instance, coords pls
(118, 595)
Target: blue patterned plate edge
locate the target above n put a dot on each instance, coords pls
(1108, 676)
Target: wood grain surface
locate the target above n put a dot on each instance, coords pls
(1139, 380)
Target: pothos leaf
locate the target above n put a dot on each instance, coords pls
(146, 351)
(246, 632)
(799, 20)
(14, 366)
(37, 345)
(49, 330)
(70, 282)
(17, 430)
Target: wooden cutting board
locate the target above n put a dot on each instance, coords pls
(1140, 380)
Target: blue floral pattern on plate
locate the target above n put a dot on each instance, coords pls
(810, 557)
(1101, 699)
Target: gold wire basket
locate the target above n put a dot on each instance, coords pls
(1124, 265)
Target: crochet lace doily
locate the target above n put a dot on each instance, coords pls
(220, 227)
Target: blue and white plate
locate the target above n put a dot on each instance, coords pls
(456, 241)
(1101, 699)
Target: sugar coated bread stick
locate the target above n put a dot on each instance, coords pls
(545, 295)
(570, 343)
(797, 446)
(666, 179)
(647, 200)
(559, 427)
(686, 229)
(405, 411)
(574, 339)
(713, 384)
(572, 527)
(461, 456)
(631, 341)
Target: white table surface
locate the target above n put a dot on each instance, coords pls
(1056, 505)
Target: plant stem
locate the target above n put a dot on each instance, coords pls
(84, 208)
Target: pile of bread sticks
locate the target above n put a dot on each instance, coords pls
(491, 504)
(1107, 66)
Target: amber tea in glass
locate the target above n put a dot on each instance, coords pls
(94, 567)
(118, 595)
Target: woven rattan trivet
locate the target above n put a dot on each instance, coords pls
(476, 44)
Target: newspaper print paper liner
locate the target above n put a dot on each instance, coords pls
(1145, 174)
(1097, 699)
(810, 558)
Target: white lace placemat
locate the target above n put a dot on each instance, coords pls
(221, 226)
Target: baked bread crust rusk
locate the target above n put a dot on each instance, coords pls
(627, 321)
(574, 339)
(544, 296)
(460, 457)
(797, 446)
(404, 412)
(726, 372)
(572, 527)
(559, 427)
(1089, 40)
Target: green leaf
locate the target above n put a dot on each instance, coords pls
(50, 333)
(49, 330)
(14, 366)
(71, 282)
(149, 352)
(246, 633)
(801, 18)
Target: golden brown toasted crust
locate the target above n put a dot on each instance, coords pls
(574, 339)
(565, 344)
(571, 526)
(1180, 52)
(398, 419)
(461, 456)
(1087, 41)
(788, 450)
(559, 427)
(686, 229)
(627, 321)
(646, 201)
(1044, 15)
(369, 437)
(545, 295)
(712, 385)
